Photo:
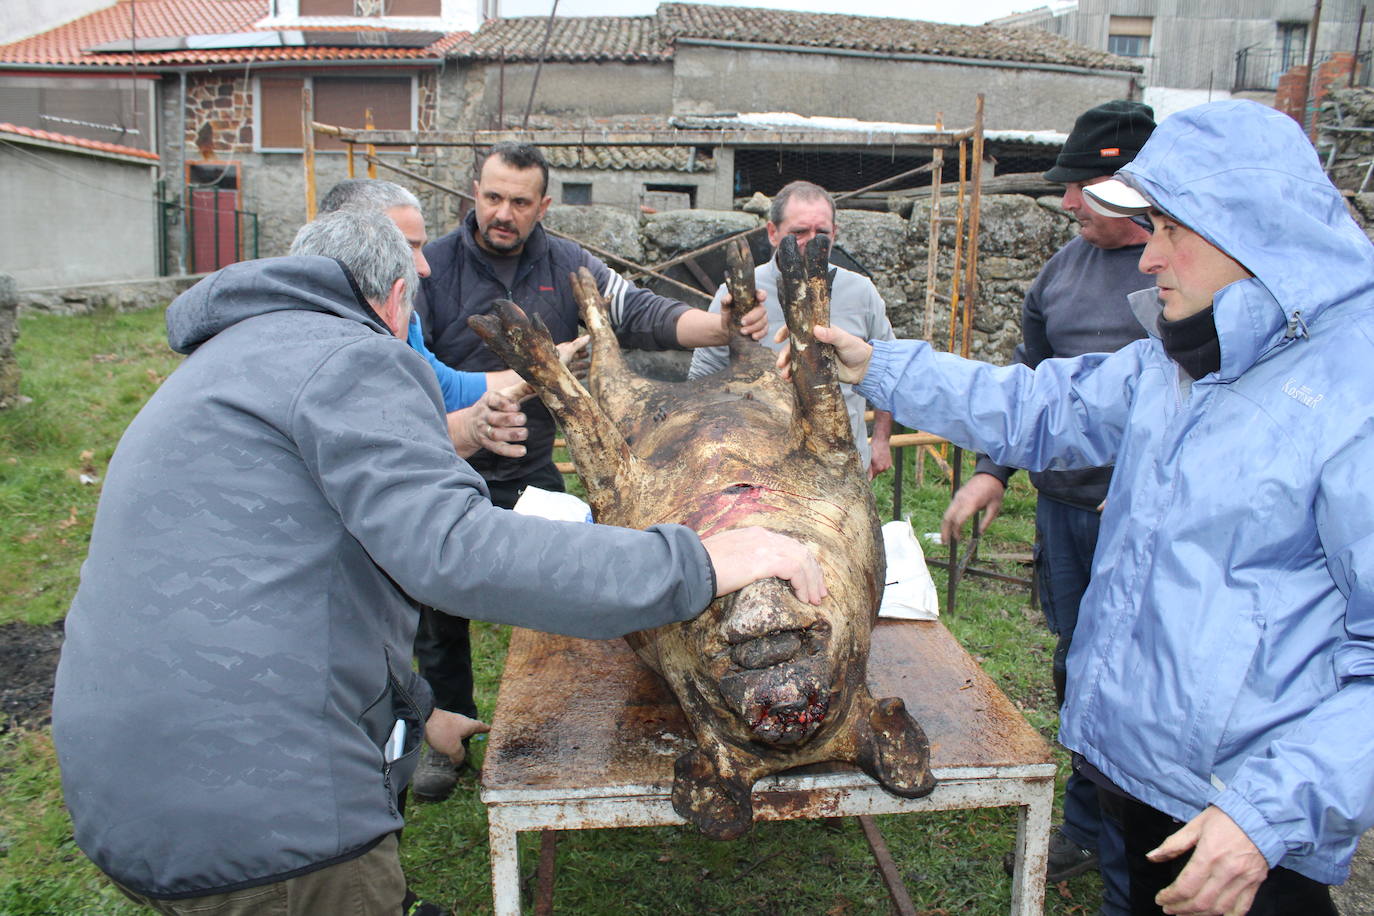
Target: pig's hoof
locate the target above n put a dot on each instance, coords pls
(521, 340)
(899, 755)
(714, 805)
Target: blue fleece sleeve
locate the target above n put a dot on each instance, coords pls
(1067, 413)
(458, 388)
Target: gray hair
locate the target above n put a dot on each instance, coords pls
(802, 190)
(368, 243)
(374, 193)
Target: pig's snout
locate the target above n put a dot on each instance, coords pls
(766, 651)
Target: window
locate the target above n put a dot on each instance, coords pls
(338, 100)
(579, 193)
(357, 8)
(1129, 36)
(327, 8)
(670, 196)
(1292, 45)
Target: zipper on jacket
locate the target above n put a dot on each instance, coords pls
(1294, 323)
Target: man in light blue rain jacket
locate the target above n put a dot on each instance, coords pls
(1222, 674)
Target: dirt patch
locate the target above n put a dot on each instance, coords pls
(28, 661)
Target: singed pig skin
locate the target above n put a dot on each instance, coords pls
(767, 681)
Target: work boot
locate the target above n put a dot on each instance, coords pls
(414, 906)
(435, 777)
(1067, 859)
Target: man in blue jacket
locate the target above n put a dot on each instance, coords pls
(1077, 304)
(501, 251)
(235, 712)
(1222, 674)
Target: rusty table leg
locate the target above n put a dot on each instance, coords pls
(505, 865)
(548, 866)
(901, 900)
(1032, 852)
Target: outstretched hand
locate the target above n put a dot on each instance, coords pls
(744, 555)
(494, 423)
(446, 730)
(983, 493)
(852, 353)
(1223, 873)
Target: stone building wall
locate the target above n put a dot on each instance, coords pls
(219, 116)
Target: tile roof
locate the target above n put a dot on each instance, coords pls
(653, 37)
(879, 34)
(66, 44)
(65, 140)
(573, 38)
(629, 158)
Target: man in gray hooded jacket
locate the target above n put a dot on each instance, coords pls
(235, 712)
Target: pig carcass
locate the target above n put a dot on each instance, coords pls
(767, 681)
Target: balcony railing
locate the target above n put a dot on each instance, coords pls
(1260, 68)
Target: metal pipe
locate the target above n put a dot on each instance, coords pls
(182, 183)
(1355, 54)
(534, 84)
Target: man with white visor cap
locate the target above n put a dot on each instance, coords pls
(1222, 672)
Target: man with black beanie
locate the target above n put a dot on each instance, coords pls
(1076, 305)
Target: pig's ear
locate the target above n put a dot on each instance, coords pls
(822, 422)
(603, 459)
(718, 806)
(892, 748)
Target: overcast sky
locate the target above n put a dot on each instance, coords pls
(966, 12)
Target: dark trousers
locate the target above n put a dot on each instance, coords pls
(443, 646)
(1283, 893)
(1066, 538)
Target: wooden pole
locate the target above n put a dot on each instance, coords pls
(308, 150)
(1308, 122)
(955, 271)
(371, 150)
(937, 161)
(976, 199)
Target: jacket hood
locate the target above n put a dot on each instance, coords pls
(252, 288)
(1245, 178)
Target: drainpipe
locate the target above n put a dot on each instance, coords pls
(181, 176)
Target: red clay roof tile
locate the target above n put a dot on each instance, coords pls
(65, 140)
(67, 45)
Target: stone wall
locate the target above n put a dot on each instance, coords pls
(120, 296)
(9, 333)
(1017, 236)
(1350, 153)
(219, 116)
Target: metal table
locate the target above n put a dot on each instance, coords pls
(584, 736)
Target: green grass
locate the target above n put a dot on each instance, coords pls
(87, 377)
